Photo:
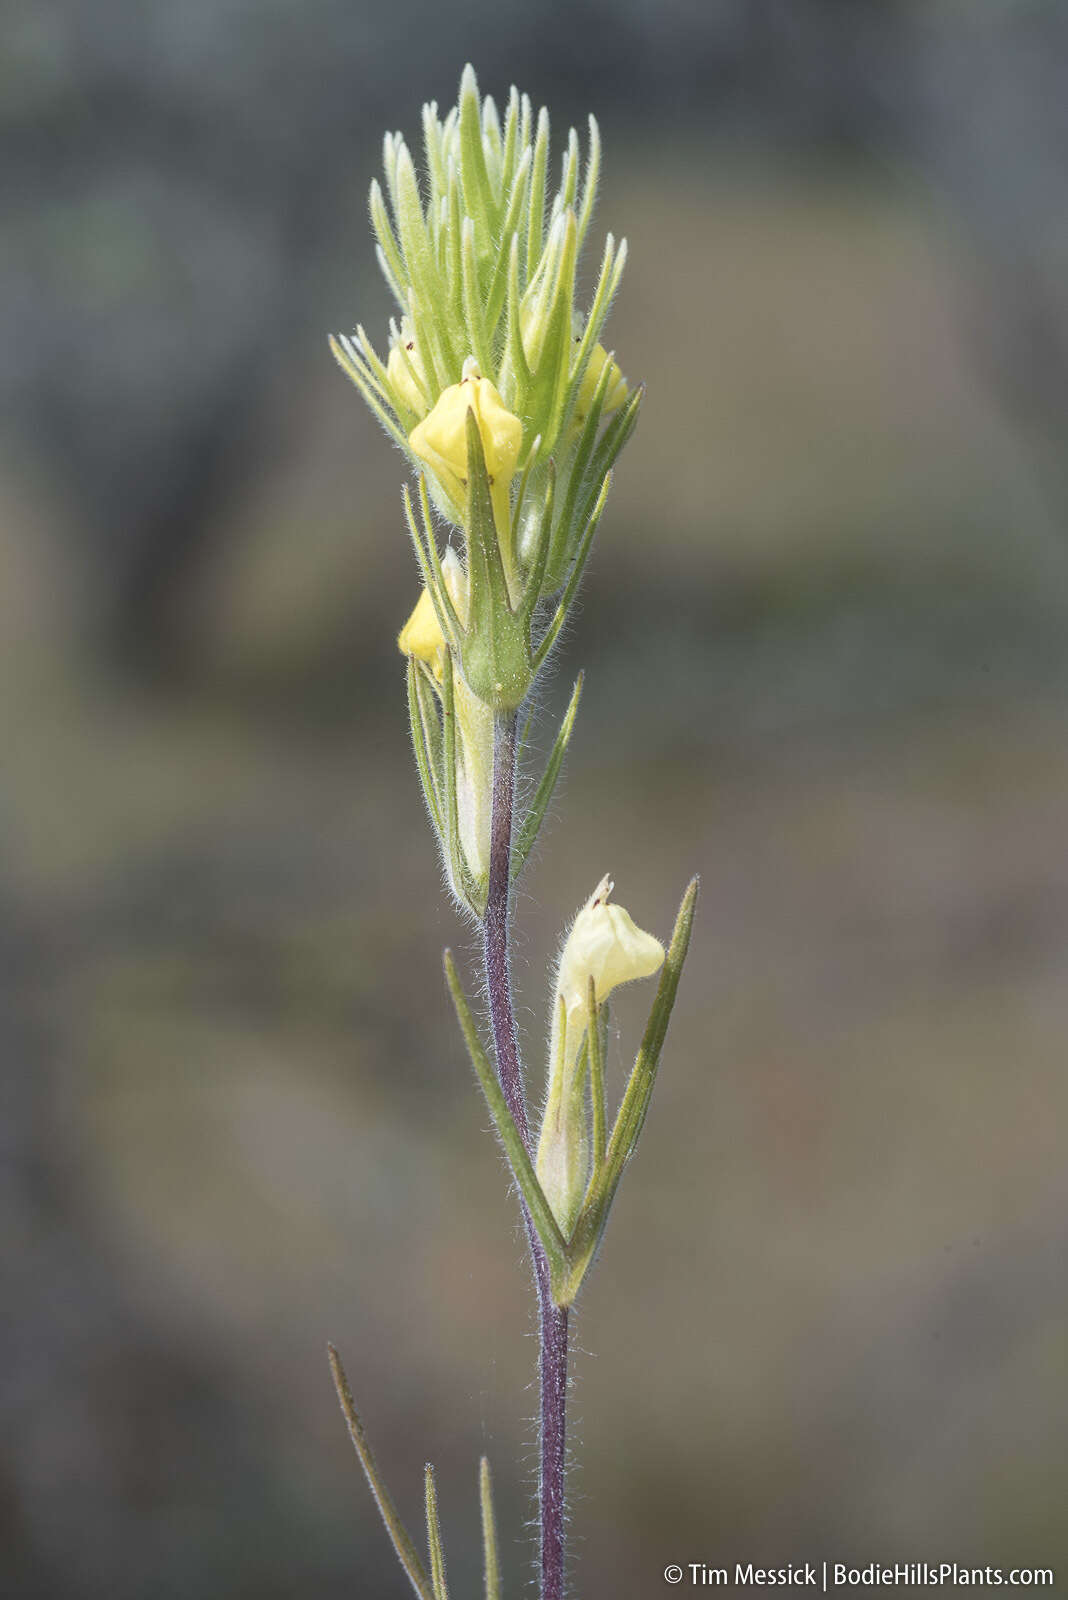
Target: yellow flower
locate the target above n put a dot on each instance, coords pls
(400, 371)
(604, 944)
(441, 441)
(615, 393)
(421, 635)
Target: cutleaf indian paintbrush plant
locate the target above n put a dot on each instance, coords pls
(498, 388)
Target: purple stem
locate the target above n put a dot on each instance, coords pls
(552, 1321)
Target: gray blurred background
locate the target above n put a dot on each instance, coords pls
(825, 638)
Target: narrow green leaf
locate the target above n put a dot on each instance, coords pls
(387, 241)
(541, 1212)
(478, 191)
(349, 351)
(551, 381)
(608, 282)
(392, 144)
(426, 517)
(589, 187)
(374, 362)
(511, 132)
(635, 1104)
(536, 204)
(536, 575)
(439, 234)
(526, 120)
(411, 227)
(514, 330)
(521, 493)
(492, 144)
(429, 695)
(354, 367)
(531, 825)
(568, 523)
(499, 282)
(435, 164)
(402, 1544)
(430, 570)
(490, 1562)
(433, 1536)
(453, 263)
(491, 125)
(577, 568)
(420, 743)
(398, 291)
(569, 180)
(608, 449)
(474, 311)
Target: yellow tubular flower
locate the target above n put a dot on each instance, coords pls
(440, 440)
(421, 635)
(604, 944)
(615, 393)
(400, 367)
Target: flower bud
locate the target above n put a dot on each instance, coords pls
(405, 371)
(422, 638)
(440, 440)
(421, 635)
(616, 389)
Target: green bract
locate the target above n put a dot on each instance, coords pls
(481, 260)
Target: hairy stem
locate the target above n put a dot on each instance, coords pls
(498, 919)
(553, 1466)
(552, 1321)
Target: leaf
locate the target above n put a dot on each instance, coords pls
(577, 567)
(433, 1537)
(478, 191)
(589, 188)
(474, 311)
(499, 282)
(422, 717)
(530, 827)
(536, 204)
(490, 1562)
(536, 575)
(355, 367)
(402, 1544)
(541, 1212)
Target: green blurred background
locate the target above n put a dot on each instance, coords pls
(827, 661)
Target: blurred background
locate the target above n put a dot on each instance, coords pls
(827, 656)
